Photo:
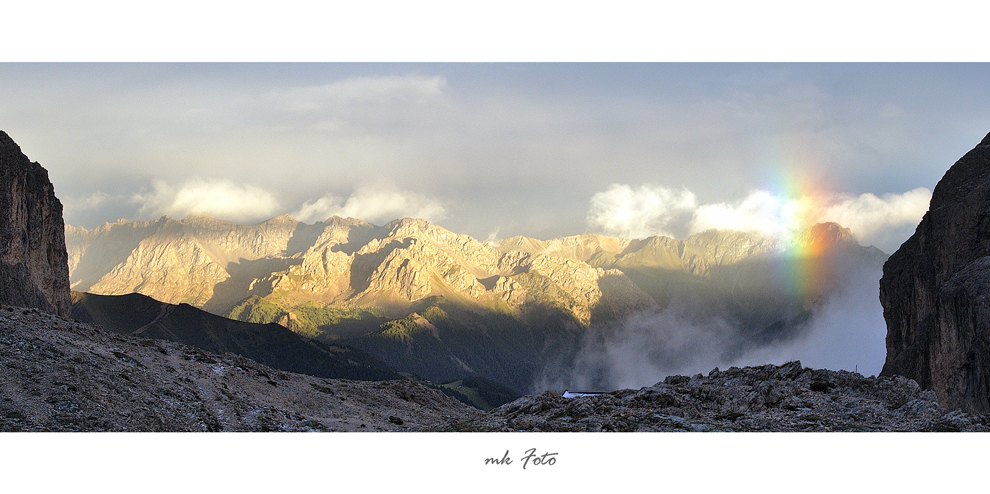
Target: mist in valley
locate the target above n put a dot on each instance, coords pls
(845, 331)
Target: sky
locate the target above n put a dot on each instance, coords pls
(501, 149)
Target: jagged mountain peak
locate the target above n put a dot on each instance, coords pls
(822, 237)
(830, 231)
(200, 219)
(584, 247)
(193, 217)
(69, 229)
(962, 177)
(280, 219)
(348, 221)
(520, 243)
(408, 225)
(8, 145)
(729, 246)
(416, 230)
(723, 234)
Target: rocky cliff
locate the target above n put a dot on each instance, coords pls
(935, 290)
(33, 264)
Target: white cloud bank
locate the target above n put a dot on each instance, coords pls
(629, 212)
(219, 199)
(373, 204)
(245, 204)
(876, 219)
(625, 211)
(760, 212)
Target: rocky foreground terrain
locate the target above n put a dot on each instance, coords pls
(58, 374)
(769, 398)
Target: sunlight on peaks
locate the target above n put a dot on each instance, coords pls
(801, 209)
(803, 270)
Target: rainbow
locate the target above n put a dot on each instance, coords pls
(803, 274)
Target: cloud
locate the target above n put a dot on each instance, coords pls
(220, 199)
(845, 331)
(641, 212)
(92, 201)
(381, 89)
(373, 204)
(650, 210)
(247, 203)
(318, 210)
(871, 217)
(93, 209)
(649, 346)
(760, 211)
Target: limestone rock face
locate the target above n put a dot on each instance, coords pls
(34, 268)
(935, 290)
(198, 260)
(712, 248)
(696, 254)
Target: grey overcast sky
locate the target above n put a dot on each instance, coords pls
(499, 149)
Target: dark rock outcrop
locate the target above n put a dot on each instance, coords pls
(935, 291)
(768, 398)
(34, 269)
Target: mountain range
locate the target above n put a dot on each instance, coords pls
(445, 306)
